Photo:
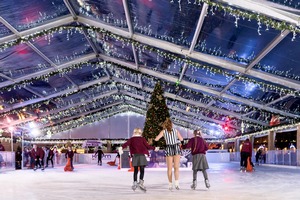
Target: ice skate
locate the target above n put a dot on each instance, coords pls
(141, 185)
(134, 186)
(194, 185)
(170, 186)
(207, 183)
(177, 185)
(34, 169)
(242, 169)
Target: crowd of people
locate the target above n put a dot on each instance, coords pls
(246, 156)
(39, 157)
(36, 157)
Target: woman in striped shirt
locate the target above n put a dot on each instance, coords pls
(173, 142)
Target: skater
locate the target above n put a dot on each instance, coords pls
(173, 141)
(26, 156)
(246, 152)
(18, 158)
(1, 147)
(198, 148)
(100, 154)
(38, 154)
(50, 157)
(258, 156)
(138, 147)
(69, 156)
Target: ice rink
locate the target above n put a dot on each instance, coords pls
(106, 182)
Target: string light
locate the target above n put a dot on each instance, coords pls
(264, 132)
(141, 47)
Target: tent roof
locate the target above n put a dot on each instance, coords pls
(66, 63)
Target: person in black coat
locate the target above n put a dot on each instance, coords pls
(19, 158)
(100, 154)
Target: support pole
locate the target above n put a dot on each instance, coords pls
(22, 149)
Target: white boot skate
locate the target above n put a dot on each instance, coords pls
(141, 185)
(171, 186)
(207, 183)
(177, 185)
(134, 186)
(194, 185)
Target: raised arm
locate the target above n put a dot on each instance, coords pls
(160, 135)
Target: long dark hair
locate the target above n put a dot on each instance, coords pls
(167, 125)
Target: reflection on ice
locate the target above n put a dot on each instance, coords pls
(107, 182)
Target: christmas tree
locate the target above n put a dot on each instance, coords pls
(156, 114)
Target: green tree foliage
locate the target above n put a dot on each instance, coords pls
(156, 114)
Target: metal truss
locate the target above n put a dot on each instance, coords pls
(252, 5)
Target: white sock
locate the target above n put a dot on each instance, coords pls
(177, 182)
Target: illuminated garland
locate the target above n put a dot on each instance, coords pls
(77, 66)
(262, 19)
(143, 47)
(62, 113)
(228, 9)
(264, 132)
(45, 77)
(90, 118)
(46, 102)
(76, 141)
(289, 3)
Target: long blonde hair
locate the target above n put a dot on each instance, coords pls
(168, 125)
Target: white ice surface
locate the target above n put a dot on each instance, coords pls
(90, 182)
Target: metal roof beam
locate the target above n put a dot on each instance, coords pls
(89, 100)
(267, 49)
(173, 79)
(60, 21)
(210, 59)
(25, 103)
(199, 26)
(194, 103)
(144, 109)
(128, 19)
(216, 93)
(266, 9)
(71, 10)
(49, 70)
(82, 114)
(258, 58)
(270, 103)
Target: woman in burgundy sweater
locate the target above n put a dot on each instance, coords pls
(138, 147)
(198, 148)
(69, 155)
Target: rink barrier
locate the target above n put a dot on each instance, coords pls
(7, 160)
(275, 157)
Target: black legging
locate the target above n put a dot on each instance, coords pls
(195, 174)
(51, 160)
(136, 170)
(100, 160)
(39, 162)
(244, 157)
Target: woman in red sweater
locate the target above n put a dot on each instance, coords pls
(138, 147)
(198, 148)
